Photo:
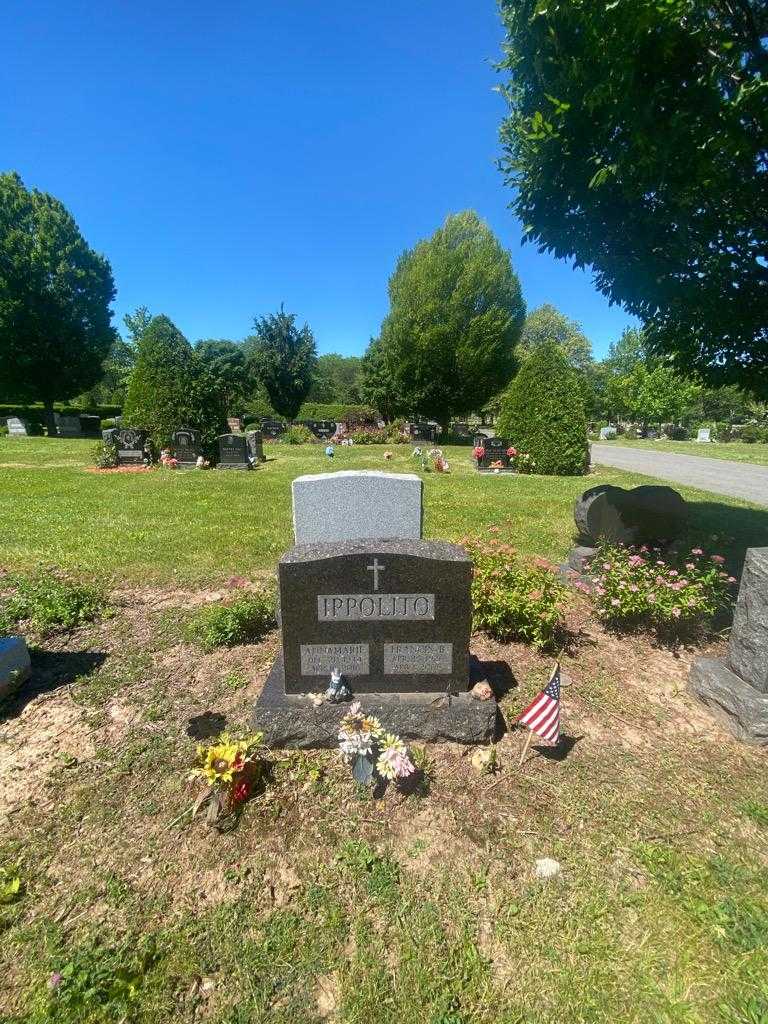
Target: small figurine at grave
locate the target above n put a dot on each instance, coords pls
(338, 692)
(200, 464)
(329, 451)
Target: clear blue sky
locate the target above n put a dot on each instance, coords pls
(231, 156)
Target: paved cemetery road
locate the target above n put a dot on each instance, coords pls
(736, 479)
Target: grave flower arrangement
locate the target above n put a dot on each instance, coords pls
(478, 452)
(229, 767)
(638, 586)
(167, 460)
(373, 753)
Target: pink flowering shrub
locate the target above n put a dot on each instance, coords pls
(514, 599)
(636, 587)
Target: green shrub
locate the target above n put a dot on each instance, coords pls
(641, 589)
(678, 433)
(105, 455)
(723, 432)
(542, 413)
(511, 599)
(752, 433)
(108, 424)
(336, 411)
(298, 434)
(245, 620)
(48, 601)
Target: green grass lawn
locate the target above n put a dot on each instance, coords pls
(421, 907)
(188, 526)
(732, 451)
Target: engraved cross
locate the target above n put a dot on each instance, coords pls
(375, 569)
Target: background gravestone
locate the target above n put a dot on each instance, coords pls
(90, 425)
(495, 452)
(735, 690)
(233, 452)
(255, 442)
(68, 426)
(235, 424)
(272, 428)
(186, 447)
(356, 504)
(17, 427)
(607, 433)
(425, 432)
(131, 447)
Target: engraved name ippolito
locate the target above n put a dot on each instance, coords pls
(375, 607)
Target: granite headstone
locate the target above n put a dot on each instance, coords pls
(17, 427)
(131, 447)
(255, 441)
(186, 447)
(356, 504)
(233, 452)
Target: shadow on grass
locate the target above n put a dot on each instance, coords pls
(206, 726)
(734, 529)
(497, 674)
(50, 671)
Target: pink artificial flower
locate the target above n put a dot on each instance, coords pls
(673, 572)
(718, 559)
(634, 588)
(600, 591)
(661, 562)
(606, 565)
(690, 566)
(636, 560)
(615, 602)
(652, 598)
(731, 579)
(696, 551)
(676, 612)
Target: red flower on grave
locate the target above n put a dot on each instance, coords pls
(511, 452)
(479, 452)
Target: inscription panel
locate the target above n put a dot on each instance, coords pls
(418, 659)
(375, 607)
(321, 659)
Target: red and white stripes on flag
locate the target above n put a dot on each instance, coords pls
(542, 715)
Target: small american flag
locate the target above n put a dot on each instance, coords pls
(542, 715)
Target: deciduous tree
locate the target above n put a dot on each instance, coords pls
(55, 294)
(456, 312)
(637, 143)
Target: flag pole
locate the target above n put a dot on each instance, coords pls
(525, 748)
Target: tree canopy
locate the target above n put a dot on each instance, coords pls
(228, 371)
(548, 324)
(456, 311)
(636, 143)
(283, 358)
(653, 395)
(337, 379)
(55, 294)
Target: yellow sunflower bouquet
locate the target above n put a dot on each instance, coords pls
(230, 767)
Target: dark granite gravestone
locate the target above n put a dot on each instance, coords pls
(233, 452)
(272, 428)
(186, 448)
(90, 425)
(109, 436)
(644, 515)
(394, 617)
(495, 459)
(131, 447)
(425, 433)
(255, 442)
(67, 426)
(324, 429)
(736, 689)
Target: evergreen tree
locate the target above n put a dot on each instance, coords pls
(542, 413)
(161, 391)
(283, 358)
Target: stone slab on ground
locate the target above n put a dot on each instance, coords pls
(356, 505)
(649, 514)
(748, 650)
(734, 703)
(15, 664)
(294, 721)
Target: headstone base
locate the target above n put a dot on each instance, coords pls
(293, 721)
(741, 708)
(225, 465)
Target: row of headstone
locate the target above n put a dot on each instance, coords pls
(323, 429)
(235, 451)
(491, 455)
(368, 608)
(272, 428)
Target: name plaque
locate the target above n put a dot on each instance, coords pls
(375, 607)
(418, 659)
(321, 659)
